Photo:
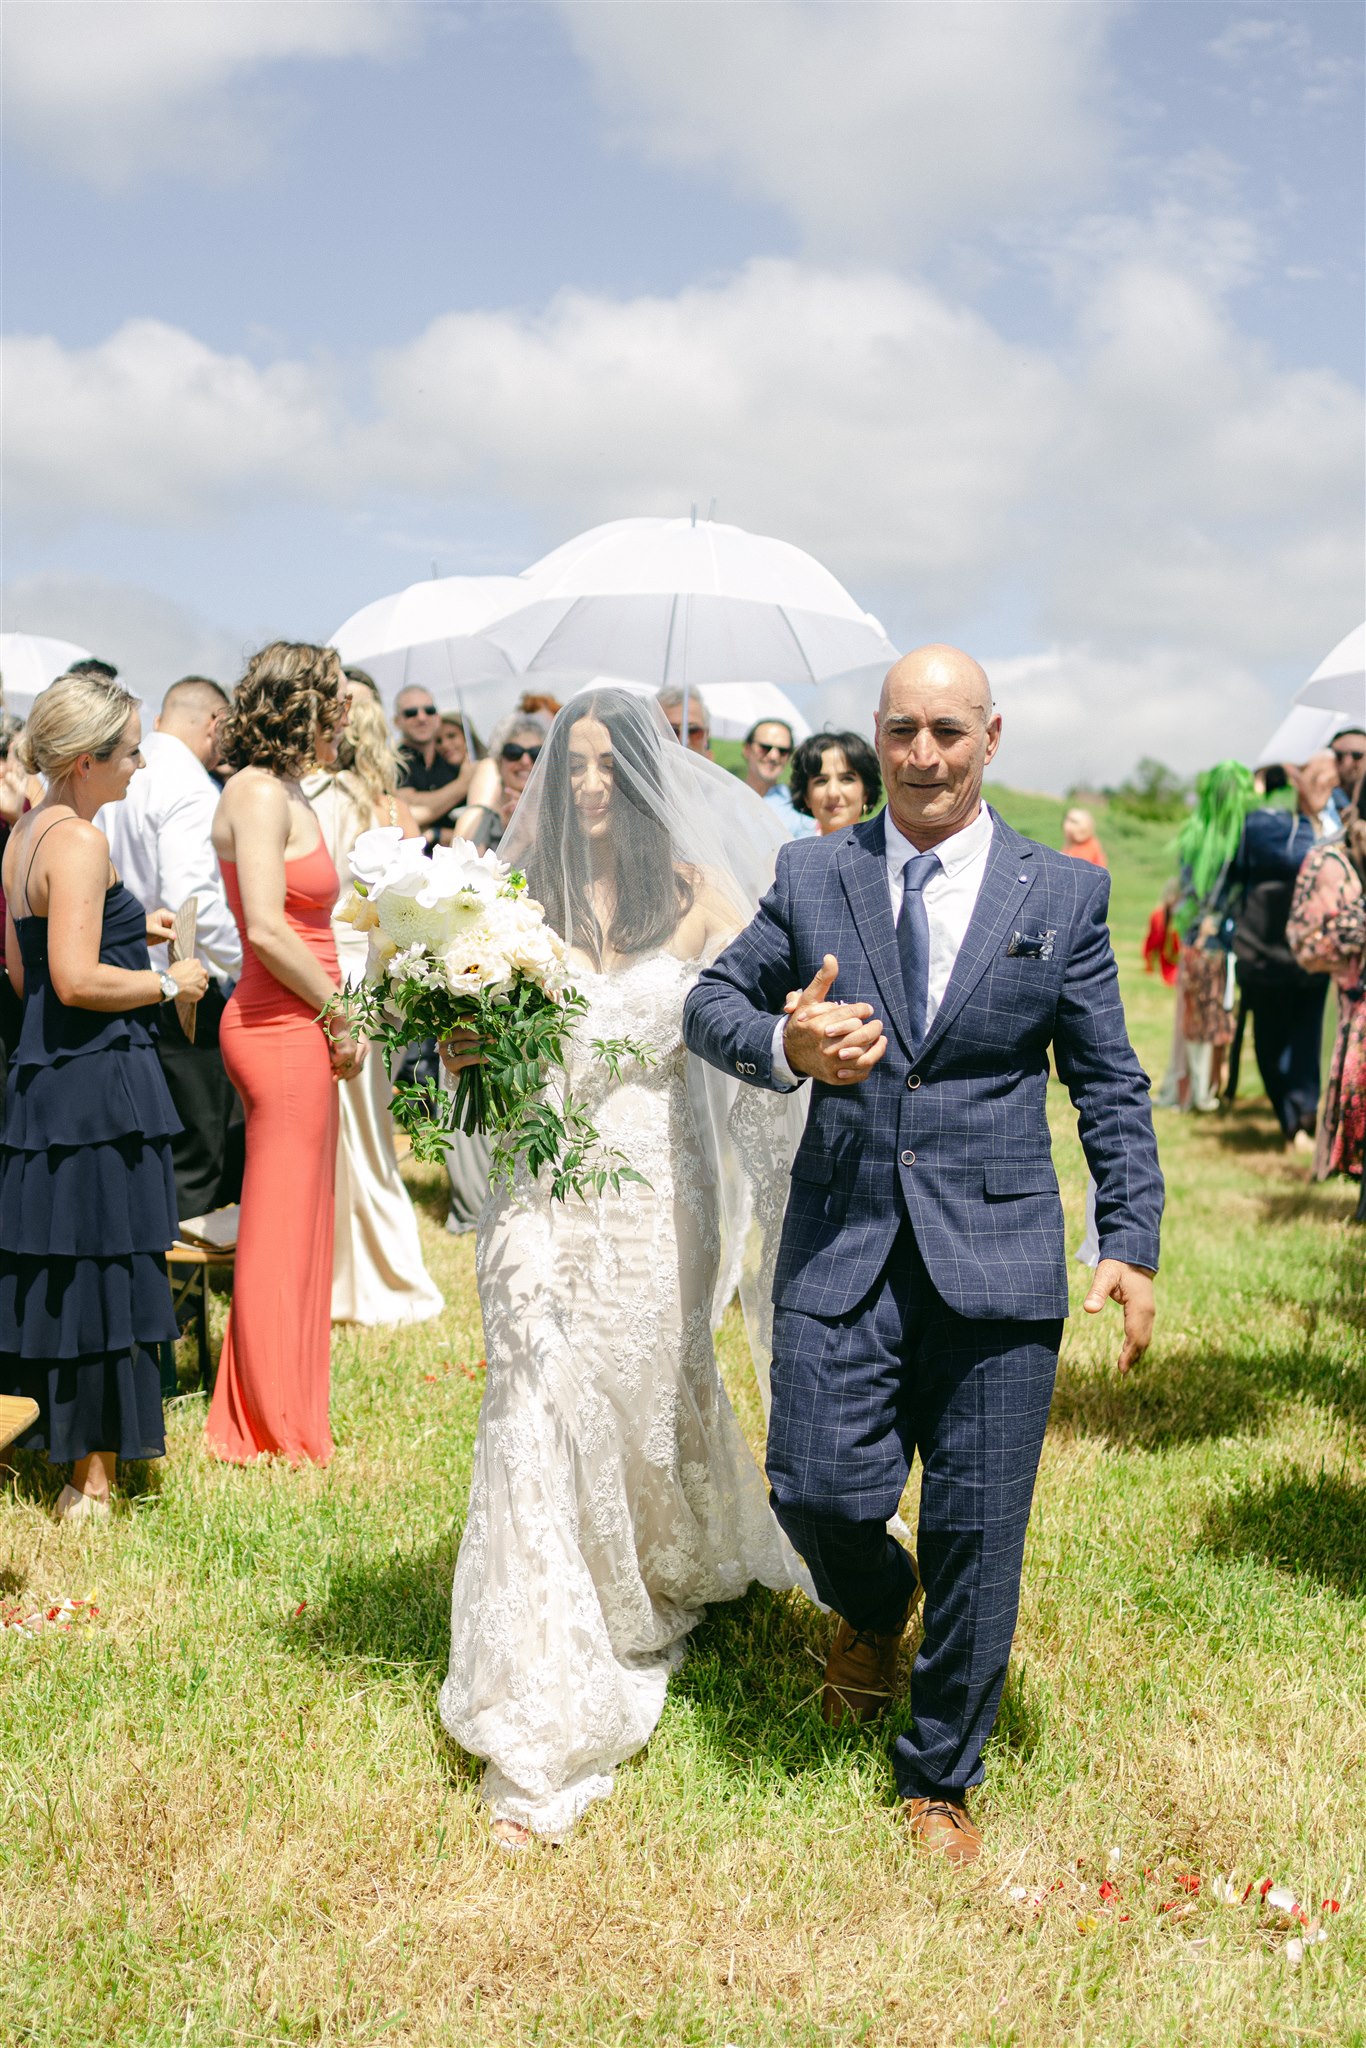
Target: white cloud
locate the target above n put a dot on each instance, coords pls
(110, 89)
(150, 639)
(153, 426)
(1076, 716)
(1157, 490)
(878, 128)
(865, 415)
(1286, 55)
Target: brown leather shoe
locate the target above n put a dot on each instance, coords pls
(945, 1827)
(860, 1672)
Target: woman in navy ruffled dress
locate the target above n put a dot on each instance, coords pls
(87, 1193)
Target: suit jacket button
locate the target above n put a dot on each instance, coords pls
(908, 1159)
(913, 1080)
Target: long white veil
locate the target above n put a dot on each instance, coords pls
(686, 836)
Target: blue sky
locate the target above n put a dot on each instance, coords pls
(1042, 325)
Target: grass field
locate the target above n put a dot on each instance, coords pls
(230, 1814)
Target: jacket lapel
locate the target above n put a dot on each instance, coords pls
(863, 871)
(999, 903)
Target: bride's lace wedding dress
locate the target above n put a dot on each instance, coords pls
(613, 1492)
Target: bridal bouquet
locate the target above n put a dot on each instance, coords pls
(456, 943)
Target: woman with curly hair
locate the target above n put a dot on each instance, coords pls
(283, 1056)
(378, 1275)
(835, 780)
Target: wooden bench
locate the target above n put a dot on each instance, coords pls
(187, 1268)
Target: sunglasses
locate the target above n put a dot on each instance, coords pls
(767, 747)
(418, 711)
(1341, 754)
(512, 752)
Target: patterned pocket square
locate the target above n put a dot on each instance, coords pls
(1032, 945)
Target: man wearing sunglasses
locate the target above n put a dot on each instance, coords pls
(426, 784)
(1349, 751)
(767, 751)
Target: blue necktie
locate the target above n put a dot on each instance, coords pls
(913, 940)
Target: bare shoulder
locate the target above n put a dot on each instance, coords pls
(716, 913)
(254, 801)
(75, 842)
(63, 848)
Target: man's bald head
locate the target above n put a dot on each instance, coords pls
(942, 668)
(936, 730)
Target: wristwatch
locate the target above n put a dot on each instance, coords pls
(170, 987)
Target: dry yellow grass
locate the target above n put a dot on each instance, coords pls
(230, 1815)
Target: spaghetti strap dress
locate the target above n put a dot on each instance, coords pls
(271, 1394)
(87, 1208)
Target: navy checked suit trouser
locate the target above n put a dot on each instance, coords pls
(854, 1398)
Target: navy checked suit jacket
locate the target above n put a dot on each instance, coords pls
(957, 1137)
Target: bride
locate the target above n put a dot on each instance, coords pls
(613, 1494)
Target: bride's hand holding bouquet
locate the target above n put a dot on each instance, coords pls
(460, 953)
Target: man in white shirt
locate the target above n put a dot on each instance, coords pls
(159, 841)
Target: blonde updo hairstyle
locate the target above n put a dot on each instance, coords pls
(290, 692)
(81, 714)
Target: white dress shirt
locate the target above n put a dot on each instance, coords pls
(160, 844)
(950, 898)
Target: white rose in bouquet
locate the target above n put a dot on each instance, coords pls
(378, 851)
(457, 944)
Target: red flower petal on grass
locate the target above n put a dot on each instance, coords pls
(300, 1608)
(1108, 1890)
(430, 1378)
(1189, 1884)
(1330, 1906)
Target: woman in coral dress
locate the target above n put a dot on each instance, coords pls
(283, 1055)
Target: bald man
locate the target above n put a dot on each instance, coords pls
(921, 1282)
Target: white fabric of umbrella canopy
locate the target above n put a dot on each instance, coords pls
(732, 708)
(431, 636)
(1333, 696)
(30, 661)
(687, 602)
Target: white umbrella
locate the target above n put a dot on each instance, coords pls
(30, 661)
(1334, 695)
(687, 602)
(1339, 682)
(735, 708)
(431, 636)
(731, 707)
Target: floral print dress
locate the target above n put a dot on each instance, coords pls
(1327, 934)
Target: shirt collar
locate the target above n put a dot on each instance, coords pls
(956, 852)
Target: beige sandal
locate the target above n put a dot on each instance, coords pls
(73, 1506)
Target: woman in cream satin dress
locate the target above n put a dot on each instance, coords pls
(378, 1275)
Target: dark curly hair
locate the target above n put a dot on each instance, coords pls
(806, 762)
(289, 691)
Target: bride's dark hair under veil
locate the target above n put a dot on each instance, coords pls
(653, 892)
(683, 831)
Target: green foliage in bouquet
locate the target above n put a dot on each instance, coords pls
(509, 1096)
